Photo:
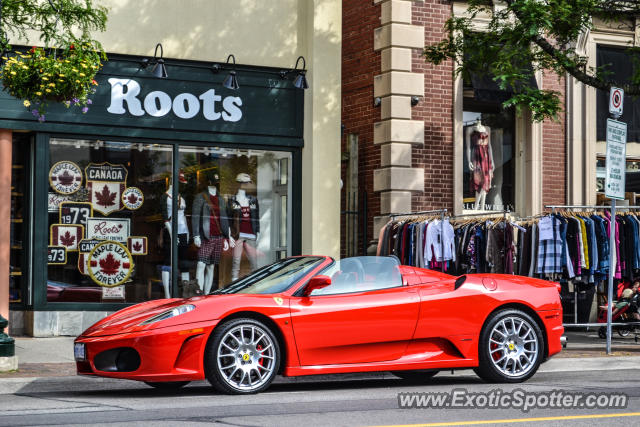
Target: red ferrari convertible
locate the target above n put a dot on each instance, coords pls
(313, 315)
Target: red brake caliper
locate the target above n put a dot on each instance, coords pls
(495, 355)
(259, 348)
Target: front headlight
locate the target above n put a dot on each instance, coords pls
(177, 311)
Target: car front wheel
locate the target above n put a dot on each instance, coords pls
(511, 347)
(242, 357)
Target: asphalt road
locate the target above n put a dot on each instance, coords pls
(351, 400)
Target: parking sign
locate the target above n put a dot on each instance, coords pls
(616, 159)
(616, 100)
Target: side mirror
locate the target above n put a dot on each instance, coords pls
(317, 282)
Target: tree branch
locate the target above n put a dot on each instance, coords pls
(573, 69)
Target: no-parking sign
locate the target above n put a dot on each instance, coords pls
(616, 99)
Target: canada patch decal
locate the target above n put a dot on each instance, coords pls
(67, 235)
(65, 177)
(106, 184)
(132, 198)
(137, 245)
(110, 264)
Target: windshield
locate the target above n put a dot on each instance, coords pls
(361, 274)
(274, 278)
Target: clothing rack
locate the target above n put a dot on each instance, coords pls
(611, 266)
(504, 214)
(442, 213)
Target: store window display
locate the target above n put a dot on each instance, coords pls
(245, 215)
(488, 164)
(237, 214)
(210, 228)
(481, 165)
(183, 235)
(112, 235)
(107, 210)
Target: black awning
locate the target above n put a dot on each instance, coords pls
(486, 89)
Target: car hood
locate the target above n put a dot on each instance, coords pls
(130, 318)
(207, 308)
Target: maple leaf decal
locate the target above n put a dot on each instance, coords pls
(67, 239)
(105, 198)
(66, 178)
(137, 246)
(109, 265)
(132, 199)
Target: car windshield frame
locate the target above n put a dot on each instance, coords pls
(392, 279)
(273, 278)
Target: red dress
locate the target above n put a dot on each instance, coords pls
(481, 159)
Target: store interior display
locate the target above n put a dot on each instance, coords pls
(481, 164)
(182, 235)
(210, 225)
(488, 164)
(111, 208)
(245, 219)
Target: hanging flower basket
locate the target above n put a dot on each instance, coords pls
(39, 77)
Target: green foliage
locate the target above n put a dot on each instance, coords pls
(64, 70)
(38, 78)
(521, 37)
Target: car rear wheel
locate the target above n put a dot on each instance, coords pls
(511, 347)
(167, 385)
(242, 357)
(415, 376)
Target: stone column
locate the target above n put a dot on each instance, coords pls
(396, 179)
(5, 219)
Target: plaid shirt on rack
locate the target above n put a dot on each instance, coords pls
(549, 249)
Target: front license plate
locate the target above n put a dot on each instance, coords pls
(79, 351)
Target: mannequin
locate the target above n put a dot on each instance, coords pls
(245, 221)
(480, 157)
(183, 236)
(210, 227)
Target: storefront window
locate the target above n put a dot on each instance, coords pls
(488, 163)
(19, 218)
(105, 221)
(632, 178)
(620, 66)
(236, 209)
(111, 227)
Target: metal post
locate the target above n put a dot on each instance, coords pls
(442, 238)
(612, 269)
(365, 215)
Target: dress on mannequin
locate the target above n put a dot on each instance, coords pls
(245, 221)
(481, 164)
(210, 227)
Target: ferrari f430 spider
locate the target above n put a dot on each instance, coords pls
(312, 315)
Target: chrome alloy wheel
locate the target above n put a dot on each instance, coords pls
(246, 357)
(513, 346)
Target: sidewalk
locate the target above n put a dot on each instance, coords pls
(53, 357)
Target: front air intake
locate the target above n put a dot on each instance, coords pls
(121, 359)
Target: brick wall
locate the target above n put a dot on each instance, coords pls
(554, 149)
(360, 63)
(436, 110)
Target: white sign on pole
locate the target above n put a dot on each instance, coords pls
(616, 159)
(616, 99)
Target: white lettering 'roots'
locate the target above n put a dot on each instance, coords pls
(158, 103)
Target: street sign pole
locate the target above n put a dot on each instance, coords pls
(613, 260)
(614, 185)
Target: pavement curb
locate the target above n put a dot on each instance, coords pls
(11, 385)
